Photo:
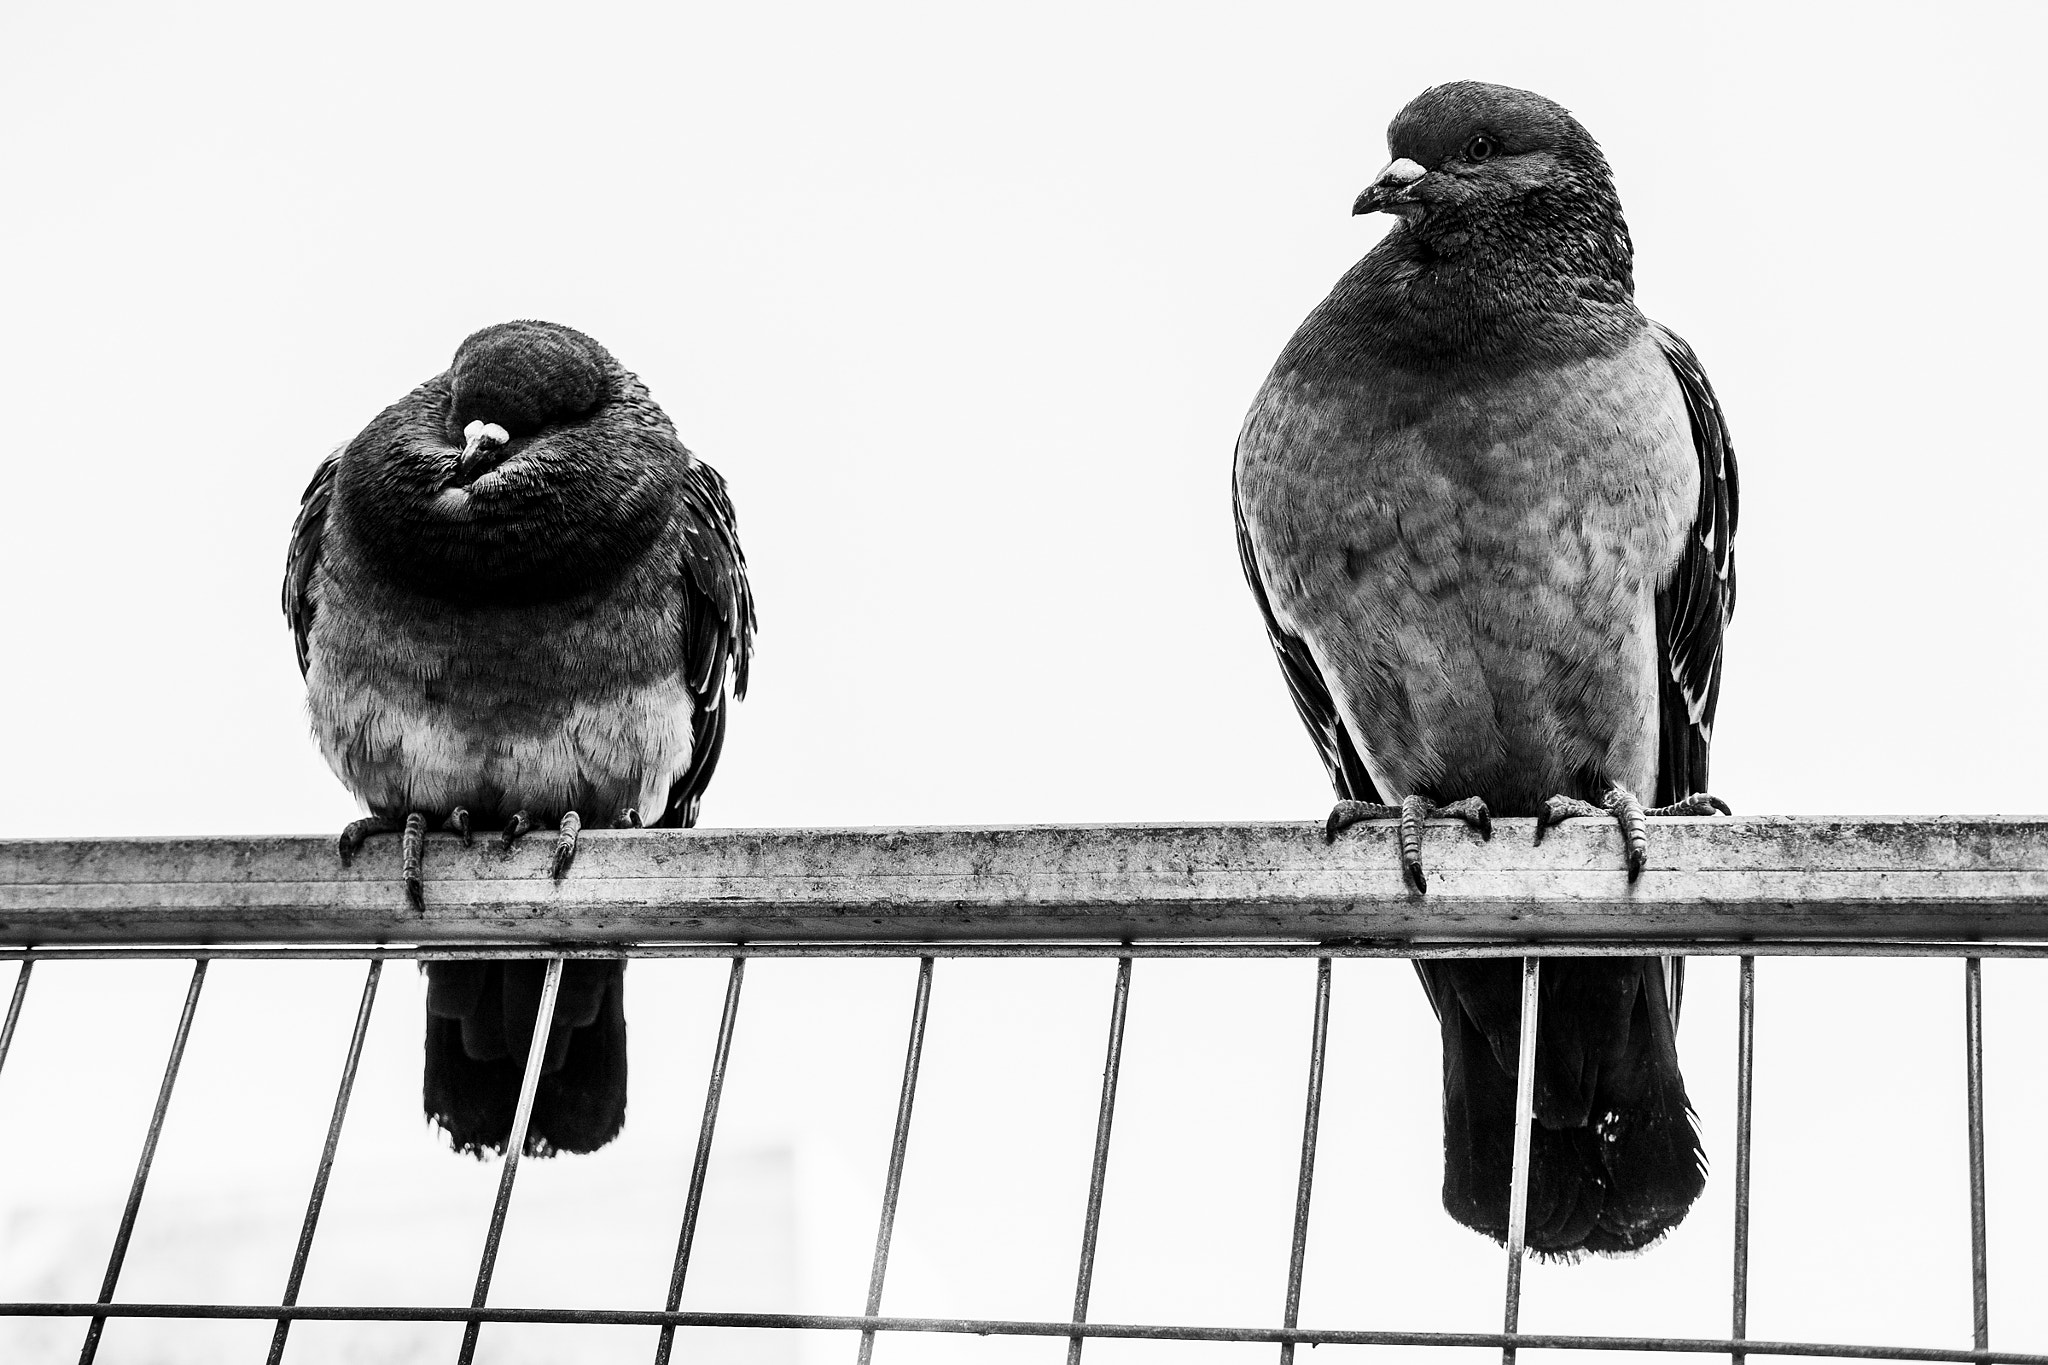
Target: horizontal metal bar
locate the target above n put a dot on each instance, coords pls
(1213, 949)
(1300, 1336)
(1933, 879)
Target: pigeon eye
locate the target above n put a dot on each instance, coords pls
(1481, 148)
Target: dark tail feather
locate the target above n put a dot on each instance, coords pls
(480, 1018)
(1615, 1159)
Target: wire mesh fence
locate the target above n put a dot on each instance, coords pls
(1991, 900)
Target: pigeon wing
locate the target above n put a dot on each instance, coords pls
(717, 629)
(1694, 606)
(303, 558)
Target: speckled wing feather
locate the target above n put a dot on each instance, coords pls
(1694, 607)
(718, 628)
(304, 555)
(1304, 681)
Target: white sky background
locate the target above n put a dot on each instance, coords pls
(967, 304)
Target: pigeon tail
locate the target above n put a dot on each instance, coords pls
(1614, 1154)
(480, 1018)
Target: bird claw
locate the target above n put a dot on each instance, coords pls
(413, 855)
(458, 823)
(1699, 803)
(1345, 814)
(1473, 812)
(566, 831)
(1628, 812)
(627, 818)
(1559, 809)
(355, 832)
(1412, 811)
(1416, 809)
(514, 829)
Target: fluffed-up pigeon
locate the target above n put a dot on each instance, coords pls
(519, 602)
(1486, 507)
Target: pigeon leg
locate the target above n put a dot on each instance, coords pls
(412, 852)
(566, 831)
(1412, 811)
(458, 823)
(1628, 812)
(627, 818)
(517, 826)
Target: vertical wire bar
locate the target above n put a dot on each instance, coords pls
(1980, 1265)
(319, 1195)
(543, 1024)
(1098, 1171)
(1518, 1186)
(698, 1168)
(156, 1128)
(1745, 1073)
(894, 1184)
(1311, 1122)
(14, 1009)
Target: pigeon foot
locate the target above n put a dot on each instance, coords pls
(412, 853)
(1412, 811)
(1629, 813)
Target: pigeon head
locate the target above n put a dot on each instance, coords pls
(1484, 170)
(512, 381)
(534, 467)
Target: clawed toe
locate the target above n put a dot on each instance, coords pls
(1627, 811)
(413, 856)
(1559, 809)
(356, 831)
(514, 830)
(565, 844)
(1345, 814)
(1473, 812)
(412, 853)
(458, 823)
(627, 819)
(1699, 803)
(1412, 811)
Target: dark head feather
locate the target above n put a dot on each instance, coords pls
(1511, 246)
(525, 375)
(585, 484)
(1510, 178)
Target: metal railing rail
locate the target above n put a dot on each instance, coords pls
(1968, 888)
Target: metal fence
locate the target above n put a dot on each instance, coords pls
(1914, 887)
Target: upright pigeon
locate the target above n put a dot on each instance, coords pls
(1486, 508)
(518, 602)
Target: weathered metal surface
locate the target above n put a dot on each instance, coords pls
(1883, 879)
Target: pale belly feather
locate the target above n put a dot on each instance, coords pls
(531, 712)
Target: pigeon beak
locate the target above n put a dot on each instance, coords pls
(483, 441)
(1389, 191)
